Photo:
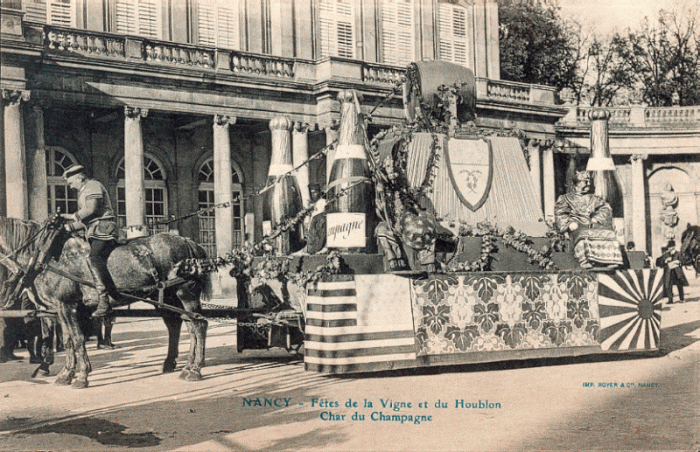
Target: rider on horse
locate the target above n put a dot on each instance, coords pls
(95, 214)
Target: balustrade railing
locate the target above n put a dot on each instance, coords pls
(85, 42)
(178, 54)
(247, 63)
(376, 73)
(508, 91)
(134, 48)
(639, 116)
(672, 115)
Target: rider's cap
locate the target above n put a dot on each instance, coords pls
(73, 170)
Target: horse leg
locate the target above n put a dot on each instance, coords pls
(66, 375)
(81, 356)
(174, 325)
(98, 322)
(46, 349)
(198, 336)
(59, 337)
(47, 330)
(33, 341)
(108, 322)
(189, 294)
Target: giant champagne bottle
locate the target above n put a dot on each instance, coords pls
(605, 178)
(282, 202)
(350, 220)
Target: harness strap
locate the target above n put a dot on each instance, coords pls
(193, 315)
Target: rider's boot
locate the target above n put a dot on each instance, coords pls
(101, 277)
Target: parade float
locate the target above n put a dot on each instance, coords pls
(428, 247)
(437, 250)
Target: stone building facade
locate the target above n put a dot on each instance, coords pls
(175, 116)
(169, 104)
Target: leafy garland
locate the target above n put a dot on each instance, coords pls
(510, 237)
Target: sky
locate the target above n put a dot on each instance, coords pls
(607, 15)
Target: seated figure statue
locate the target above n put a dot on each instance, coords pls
(587, 218)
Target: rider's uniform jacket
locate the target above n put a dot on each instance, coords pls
(95, 212)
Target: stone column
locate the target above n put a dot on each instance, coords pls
(223, 185)
(133, 172)
(331, 136)
(548, 181)
(3, 188)
(300, 154)
(639, 225)
(535, 165)
(38, 201)
(16, 187)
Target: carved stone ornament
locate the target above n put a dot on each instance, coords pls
(224, 120)
(135, 112)
(15, 96)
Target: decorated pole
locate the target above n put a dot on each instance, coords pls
(282, 201)
(605, 178)
(350, 217)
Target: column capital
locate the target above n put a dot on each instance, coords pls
(332, 125)
(135, 112)
(224, 120)
(302, 127)
(15, 96)
(638, 157)
(533, 142)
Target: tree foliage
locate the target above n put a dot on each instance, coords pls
(658, 63)
(665, 58)
(536, 45)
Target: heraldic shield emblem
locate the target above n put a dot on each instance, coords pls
(470, 165)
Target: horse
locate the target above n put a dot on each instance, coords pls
(138, 268)
(690, 247)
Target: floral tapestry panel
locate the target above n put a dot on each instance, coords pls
(500, 312)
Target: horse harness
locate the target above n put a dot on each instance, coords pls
(41, 260)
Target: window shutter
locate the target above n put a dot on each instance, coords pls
(148, 19)
(206, 24)
(217, 24)
(452, 26)
(126, 17)
(139, 17)
(35, 11)
(61, 13)
(397, 32)
(336, 28)
(227, 28)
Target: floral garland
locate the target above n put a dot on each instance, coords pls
(510, 237)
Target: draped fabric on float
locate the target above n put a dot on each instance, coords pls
(512, 200)
(15, 233)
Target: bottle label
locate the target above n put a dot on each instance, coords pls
(346, 230)
(350, 151)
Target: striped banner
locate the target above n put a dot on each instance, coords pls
(354, 324)
(630, 309)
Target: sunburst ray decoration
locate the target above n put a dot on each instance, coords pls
(630, 309)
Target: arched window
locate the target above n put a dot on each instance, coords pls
(59, 196)
(207, 229)
(156, 195)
